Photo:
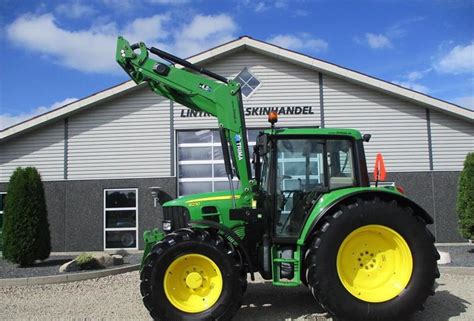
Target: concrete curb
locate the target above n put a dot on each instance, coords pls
(458, 270)
(63, 278)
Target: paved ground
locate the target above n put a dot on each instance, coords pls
(117, 297)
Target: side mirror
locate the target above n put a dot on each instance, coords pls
(366, 138)
(262, 144)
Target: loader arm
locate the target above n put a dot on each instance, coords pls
(221, 98)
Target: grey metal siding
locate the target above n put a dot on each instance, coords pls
(282, 85)
(128, 137)
(42, 148)
(452, 139)
(398, 128)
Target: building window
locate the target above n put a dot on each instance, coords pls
(2, 205)
(248, 82)
(120, 218)
(200, 161)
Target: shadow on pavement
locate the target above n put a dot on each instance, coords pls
(262, 301)
(441, 307)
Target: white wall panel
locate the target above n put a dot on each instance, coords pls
(282, 85)
(452, 139)
(398, 128)
(128, 137)
(42, 148)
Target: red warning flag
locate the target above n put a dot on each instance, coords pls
(379, 169)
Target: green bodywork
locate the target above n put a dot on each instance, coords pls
(223, 202)
(222, 99)
(350, 133)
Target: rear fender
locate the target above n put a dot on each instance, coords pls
(365, 194)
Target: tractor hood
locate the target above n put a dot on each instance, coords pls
(203, 199)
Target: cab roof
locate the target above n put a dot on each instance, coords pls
(355, 134)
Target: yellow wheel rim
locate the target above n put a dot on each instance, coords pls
(193, 283)
(374, 263)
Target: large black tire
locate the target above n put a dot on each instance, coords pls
(321, 261)
(192, 241)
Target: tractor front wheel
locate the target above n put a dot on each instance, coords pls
(372, 260)
(192, 275)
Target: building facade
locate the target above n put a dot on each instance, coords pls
(100, 156)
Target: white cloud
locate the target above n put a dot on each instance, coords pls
(412, 85)
(466, 101)
(299, 41)
(74, 10)
(457, 61)
(175, 2)
(411, 80)
(259, 7)
(7, 120)
(204, 32)
(300, 13)
(92, 50)
(377, 41)
(385, 39)
(281, 4)
(414, 75)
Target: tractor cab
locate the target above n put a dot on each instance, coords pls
(295, 167)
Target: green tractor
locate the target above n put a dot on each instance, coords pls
(307, 214)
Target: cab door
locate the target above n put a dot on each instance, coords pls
(299, 173)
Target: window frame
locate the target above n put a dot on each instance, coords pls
(112, 229)
(253, 75)
(2, 210)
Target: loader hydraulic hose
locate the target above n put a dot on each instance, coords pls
(187, 64)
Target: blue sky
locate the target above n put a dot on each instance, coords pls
(54, 52)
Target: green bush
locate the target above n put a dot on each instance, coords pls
(465, 202)
(26, 235)
(86, 261)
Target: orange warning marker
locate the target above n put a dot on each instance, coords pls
(379, 169)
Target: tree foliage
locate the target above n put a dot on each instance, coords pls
(26, 235)
(465, 202)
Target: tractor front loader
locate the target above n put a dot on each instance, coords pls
(307, 216)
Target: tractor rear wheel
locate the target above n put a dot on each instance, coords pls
(192, 275)
(372, 260)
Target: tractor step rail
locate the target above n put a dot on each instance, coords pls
(293, 263)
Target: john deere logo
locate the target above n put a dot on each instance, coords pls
(238, 143)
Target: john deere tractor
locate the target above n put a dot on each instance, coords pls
(308, 215)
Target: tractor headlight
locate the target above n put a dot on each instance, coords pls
(166, 225)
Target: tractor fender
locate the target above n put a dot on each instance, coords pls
(227, 232)
(345, 199)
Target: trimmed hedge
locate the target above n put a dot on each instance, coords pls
(465, 202)
(26, 236)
